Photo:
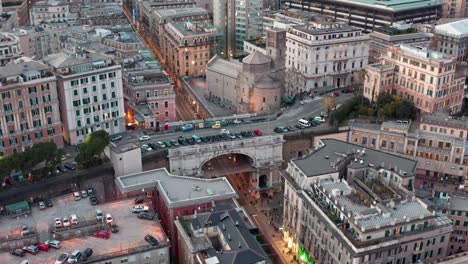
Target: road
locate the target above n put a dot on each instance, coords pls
(290, 116)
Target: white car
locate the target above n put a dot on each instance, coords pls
(42, 205)
(58, 222)
(109, 219)
(66, 222)
(76, 196)
(237, 121)
(140, 208)
(84, 194)
(224, 131)
(146, 147)
(160, 144)
(145, 138)
(319, 118)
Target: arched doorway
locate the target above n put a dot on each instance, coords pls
(226, 164)
(262, 181)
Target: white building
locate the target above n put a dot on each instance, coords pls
(51, 13)
(452, 39)
(90, 93)
(324, 56)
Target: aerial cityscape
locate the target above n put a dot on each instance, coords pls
(234, 131)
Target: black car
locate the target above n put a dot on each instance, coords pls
(204, 139)
(244, 133)
(86, 254)
(151, 239)
(69, 166)
(17, 252)
(225, 137)
(190, 141)
(49, 203)
(250, 134)
(139, 200)
(238, 135)
(61, 168)
(93, 200)
(278, 130)
(114, 228)
(182, 141)
(90, 191)
(147, 216)
(153, 146)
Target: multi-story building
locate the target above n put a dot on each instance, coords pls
(230, 225)
(90, 92)
(36, 42)
(370, 14)
(239, 20)
(14, 10)
(347, 204)
(9, 48)
(52, 14)
(149, 94)
(457, 210)
(383, 37)
(143, 9)
(188, 46)
(102, 14)
(455, 9)
(30, 107)
(438, 143)
(423, 76)
(452, 39)
(324, 55)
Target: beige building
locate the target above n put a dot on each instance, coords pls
(346, 204)
(9, 48)
(452, 39)
(36, 42)
(455, 9)
(30, 107)
(423, 76)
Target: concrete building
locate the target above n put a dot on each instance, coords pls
(239, 20)
(383, 37)
(247, 87)
(175, 196)
(423, 76)
(9, 48)
(452, 39)
(36, 42)
(15, 11)
(30, 107)
(198, 237)
(323, 56)
(438, 143)
(90, 92)
(102, 14)
(457, 211)
(124, 41)
(188, 46)
(370, 14)
(344, 204)
(52, 14)
(455, 9)
(149, 94)
(143, 9)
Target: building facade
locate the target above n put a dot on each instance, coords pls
(423, 76)
(36, 42)
(455, 9)
(52, 14)
(9, 48)
(324, 56)
(452, 39)
(30, 107)
(90, 92)
(343, 204)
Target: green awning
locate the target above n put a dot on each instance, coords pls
(287, 99)
(16, 208)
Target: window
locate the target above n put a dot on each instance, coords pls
(457, 222)
(112, 84)
(94, 88)
(442, 239)
(103, 86)
(166, 104)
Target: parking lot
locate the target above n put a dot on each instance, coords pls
(131, 234)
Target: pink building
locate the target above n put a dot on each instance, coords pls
(423, 76)
(30, 107)
(457, 211)
(455, 9)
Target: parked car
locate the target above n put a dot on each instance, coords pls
(101, 234)
(347, 90)
(86, 254)
(69, 166)
(25, 230)
(49, 203)
(109, 219)
(216, 126)
(238, 135)
(146, 148)
(196, 139)
(66, 222)
(290, 128)
(147, 216)
(160, 144)
(190, 141)
(187, 127)
(237, 121)
(319, 118)
(61, 168)
(224, 131)
(53, 243)
(114, 228)
(43, 247)
(74, 219)
(204, 139)
(74, 257)
(93, 200)
(278, 130)
(116, 138)
(58, 222)
(139, 200)
(153, 146)
(76, 196)
(181, 141)
(258, 132)
(167, 144)
(336, 94)
(84, 194)
(62, 258)
(174, 142)
(140, 208)
(31, 249)
(42, 205)
(323, 114)
(151, 239)
(90, 191)
(99, 215)
(145, 138)
(17, 252)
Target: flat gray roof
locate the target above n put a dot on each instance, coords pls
(319, 162)
(178, 190)
(458, 203)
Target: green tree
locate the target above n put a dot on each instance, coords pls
(92, 149)
(384, 99)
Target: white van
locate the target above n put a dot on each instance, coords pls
(303, 123)
(74, 257)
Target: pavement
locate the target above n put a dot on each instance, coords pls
(131, 234)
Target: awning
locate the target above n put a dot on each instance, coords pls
(17, 207)
(287, 99)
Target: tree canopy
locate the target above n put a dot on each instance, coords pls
(92, 149)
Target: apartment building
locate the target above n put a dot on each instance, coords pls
(52, 14)
(452, 39)
(370, 14)
(348, 204)
(36, 42)
(324, 55)
(423, 76)
(30, 107)
(188, 46)
(455, 9)
(437, 142)
(102, 14)
(9, 48)
(383, 37)
(90, 92)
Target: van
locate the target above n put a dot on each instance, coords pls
(53, 243)
(303, 123)
(74, 219)
(196, 138)
(74, 257)
(76, 196)
(99, 215)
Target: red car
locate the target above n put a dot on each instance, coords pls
(336, 94)
(258, 132)
(43, 247)
(349, 90)
(102, 234)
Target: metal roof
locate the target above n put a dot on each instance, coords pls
(458, 29)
